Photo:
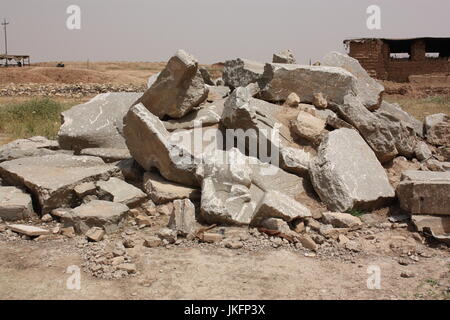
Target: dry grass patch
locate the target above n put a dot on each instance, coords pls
(422, 107)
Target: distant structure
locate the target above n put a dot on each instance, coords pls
(20, 60)
(400, 60)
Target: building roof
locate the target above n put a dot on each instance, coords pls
(395, 39)
(13, 56)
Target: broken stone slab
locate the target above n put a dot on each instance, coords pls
(97, 213)
(120, 191)
(437, 226)
(276, 224)
(319, 101)
(30, 231)
(347, 175)
(280, 80)
(274, 204)
(292, 100)
(107, 154)
(95, 234)
(438, 129)
(163, 191)
(21, 148)
(208, 115)
(422, 151)
(425, 192)
(398, 113)
(285, 56)
(341, 220)
(183, 217)
(15, 204)
(97, 123)
(178, 89)
(373, 129)
(308, 127)
(216, 93)
(149, 144)
(294, 160)
(370, 91)
(85, 189)
(52, 179)
(241, 72)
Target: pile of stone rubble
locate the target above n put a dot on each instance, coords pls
(292, 150)
(76, 90)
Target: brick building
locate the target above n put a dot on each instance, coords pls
(398, 59)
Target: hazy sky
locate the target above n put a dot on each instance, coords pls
(212, 30)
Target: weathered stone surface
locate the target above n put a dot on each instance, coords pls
(30, 231)
(292, 100)
(439, 226)
(295, 160)
(274, 204)
(206, 77)
(422, 151)
(308, 127)
(370, 91)
(347, 175)
(210, 114)
(216, 93)
(183, 217)
(107, 154)
(95, 234)
(119, 191)
(319, 101)
(131, 170)
(163, 191)
(425, 192)
(51, 179)
(280, 80)
(97, 213)
(375, 131)
(152, 79)
(398, 113)
(167, 234)
(438, 129)
(21, 148)
(97, 123)
(285, 56)
(178, 89)
(341, 220)
(84, 189)
(276, 224)
(241, 72)
(14, 204)
(149, 144)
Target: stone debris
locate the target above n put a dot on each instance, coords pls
(117, 190)
(341, 220)
(242, 72)
(285, 56)
(437, 128)
(31, 147)
(15, 204)
(425, 192)
(280, 80)
(436, 226)
(292, 100)
(162, 191)
(370, 91)
(308, 127)
(398, 113)
(183, 217)
(178, 89)
(107, 154)
(27, 230)
(97, 123)
(295, 160)
(52, 179)
(347, 175)
(422, 151)
(95, 234)
(319, 101)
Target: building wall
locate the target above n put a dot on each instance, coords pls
(374, 56)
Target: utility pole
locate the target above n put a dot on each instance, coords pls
(4, 24)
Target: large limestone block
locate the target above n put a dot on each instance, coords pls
(150, 145)
(51, 179)
(120, 191)
(425, 192)
(373, 129)
(280, 80)
(370, 91)
(178, 89)
(97, 123)
(14, 204)
(398, 113)
(347, 175)
(31, 147)
(438, 129)
(242, 72)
